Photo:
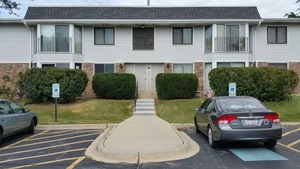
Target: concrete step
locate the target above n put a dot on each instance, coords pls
(145, 101)
(144, 113)
(145, 105)
(144, 109)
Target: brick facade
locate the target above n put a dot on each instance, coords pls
(262, 64)
(168, 68)
(295, 66)
(89, 69)
(198, 70)
(12, 70)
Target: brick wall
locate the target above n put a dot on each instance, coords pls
(168, 68)
(13, 70)
(198, 70)
(262, 64)
(89, 69)
(296, 67)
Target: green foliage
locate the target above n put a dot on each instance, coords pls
(36, 84)
(114, 85)
(176, 86)
(265, 83)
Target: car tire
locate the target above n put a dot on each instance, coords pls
(270, 144)
(212, 143)
(0, 136)
(196, 125)
(31, 127)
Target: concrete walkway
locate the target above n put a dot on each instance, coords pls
(142, 138)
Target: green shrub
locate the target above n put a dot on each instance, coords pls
(176, 85)
(36, 84)
(114, 85)
(264, 83)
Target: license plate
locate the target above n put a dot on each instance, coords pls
(251, 122)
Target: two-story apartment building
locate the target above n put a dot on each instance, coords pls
(146, 41)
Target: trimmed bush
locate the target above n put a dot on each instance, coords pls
(36, 84)
(114, 85)
(176, 85)
(264, 83)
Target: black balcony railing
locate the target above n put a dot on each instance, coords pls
(231, 44)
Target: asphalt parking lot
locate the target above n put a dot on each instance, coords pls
(65, 149)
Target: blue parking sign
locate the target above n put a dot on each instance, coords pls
(232, 89)
(55, 90)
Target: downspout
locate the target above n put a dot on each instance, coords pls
(30, 34)
(255, 44)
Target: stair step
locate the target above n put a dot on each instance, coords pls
(144, 113)
(145, 105)
(145, 101)
(145, 108)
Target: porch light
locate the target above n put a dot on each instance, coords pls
(120, 66)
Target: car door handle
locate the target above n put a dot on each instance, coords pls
(18, 118)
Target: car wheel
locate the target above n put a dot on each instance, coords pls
(31, 127)
(196, 125)
(212, 143)
(270, 144)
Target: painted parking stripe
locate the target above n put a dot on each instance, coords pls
(44, 148)
(293, 143)
(256, 154)
(287, 133)
(291, 148)
(50, 141)
(59, 135)
(76, 162)
(43, 163)
(44, 155)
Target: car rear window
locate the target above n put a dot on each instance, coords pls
(239, 104)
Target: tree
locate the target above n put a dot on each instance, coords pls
(293, 14)
(10, 6)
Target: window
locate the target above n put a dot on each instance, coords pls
(104, 68)
(78, 39)
(277, 34)
(59, 65)
(230, 64)
(143, 38)
(55, 38)
(16, 108)
(104, 36)
(231, 38)
(278, 65)
(48, 65)
(208, 39)
(35, 39)
(4, 108)
(182, 35)
(183, 68)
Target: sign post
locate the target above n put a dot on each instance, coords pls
(232, 89)
(55, 95)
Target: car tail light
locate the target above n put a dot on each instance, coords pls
(226, 119)
(273, 117)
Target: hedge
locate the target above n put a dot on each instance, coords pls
(114, 85)
(36, 84)
(176, 85)
(264, 83)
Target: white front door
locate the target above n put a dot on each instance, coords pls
(145, 75)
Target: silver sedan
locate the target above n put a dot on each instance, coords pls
(239, 118)
(14, 119)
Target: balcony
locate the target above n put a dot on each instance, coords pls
(231, 44)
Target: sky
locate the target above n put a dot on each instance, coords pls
(266, 8)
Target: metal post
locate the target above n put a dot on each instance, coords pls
(55, 109)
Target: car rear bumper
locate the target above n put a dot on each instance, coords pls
(273, 133)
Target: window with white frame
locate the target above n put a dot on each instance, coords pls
(278, 65)
(183, 35)
(104, 68)
(59, 65)
(104, 36)
(277, 34)
(143, 38)
(183, 68)
(78, 39)
(55, 38)
(231, 64)
(208, 39)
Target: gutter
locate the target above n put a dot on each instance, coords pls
(255, 44)
(30, 34)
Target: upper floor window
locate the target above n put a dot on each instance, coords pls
(143, 39)
(208, 39)
(277, 34)
(78, 39)
(231, 38)
(55, 38)
(104, 36)
(183, 68)
(183, 35)
(104, 68)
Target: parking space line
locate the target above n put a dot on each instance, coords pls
(291, 148)
(76, 162)
(25, 145)
(53, 132)
(44, 155)
(287, 133)
(59, 135)
(43, 163)
(44, 148)
(293, 143)
(28, 138)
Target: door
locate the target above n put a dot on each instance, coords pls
(23, 118)
(8, 119)
(208, 67)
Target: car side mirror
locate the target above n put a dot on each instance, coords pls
(26, 110)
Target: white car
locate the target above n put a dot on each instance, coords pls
(14, 119)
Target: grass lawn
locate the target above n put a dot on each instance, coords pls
(92, 111)
(182, 111)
